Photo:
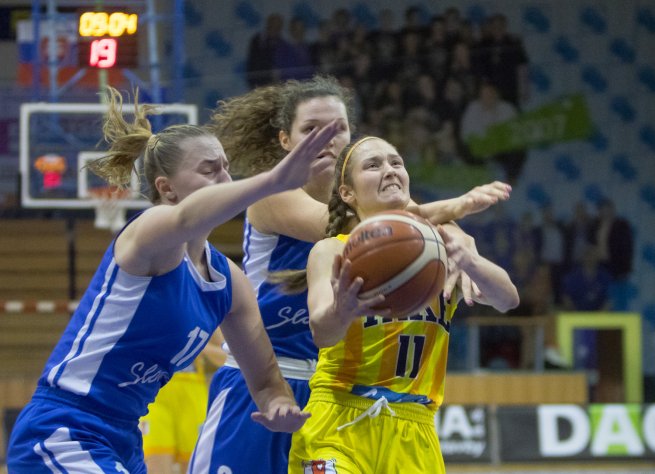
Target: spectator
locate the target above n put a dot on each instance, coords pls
(452, 105)
(613, 236)
(550, 250)
(586, 287)
(447, 145)
(384, 44)
(413, 23)
(466, 33)
(343, 57)
(341, 24)
(453, 23)
(363, 82)
(411, 63)
(577, 236)
(360, 40)
(527, 234)
(489, 109)
(486, 110)
(499, 237)
(435, 51)
(534, 282)
(502, 59)
(419, 144)
(389, 100)
(461, 69)
(423, 94)
(293, 59)
(323, 53)
(262, 51)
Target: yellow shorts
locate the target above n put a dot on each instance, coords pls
(405, 442)
(174, 419)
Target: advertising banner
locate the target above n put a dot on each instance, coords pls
(559, 121)
(464, 433)
(573, 432)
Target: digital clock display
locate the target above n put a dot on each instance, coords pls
(108, 24)
(108, 39)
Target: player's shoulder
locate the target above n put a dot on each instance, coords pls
(290, 196)
(270, 213)
(326, 247)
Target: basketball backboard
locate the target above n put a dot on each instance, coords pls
(58, 139)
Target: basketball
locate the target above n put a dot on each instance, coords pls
(401, 256)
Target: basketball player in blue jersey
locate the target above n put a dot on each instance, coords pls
(379, 382)
(159, 293)
(257, 130)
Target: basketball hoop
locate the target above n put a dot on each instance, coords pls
(110, 213)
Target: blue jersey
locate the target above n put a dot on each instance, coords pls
(286, 317)
(220, 446)
(131, 333)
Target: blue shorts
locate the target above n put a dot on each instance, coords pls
(54, 436)
(230, 441)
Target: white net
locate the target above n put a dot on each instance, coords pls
(110, 211)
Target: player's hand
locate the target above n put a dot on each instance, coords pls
(482, 197)
(461, 250)
(348, 304)
(282, 415)
(301, 163)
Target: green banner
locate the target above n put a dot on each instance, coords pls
(564, 120)
(430, 177)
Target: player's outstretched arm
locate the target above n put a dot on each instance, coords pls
(492, 284)
(245, 334)
(476, 200)
(205, 209)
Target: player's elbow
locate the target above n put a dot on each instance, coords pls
(321, 336)
(510, 301)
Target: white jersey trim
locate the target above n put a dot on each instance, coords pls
(104, 325)
(258, 248)
(218, 280)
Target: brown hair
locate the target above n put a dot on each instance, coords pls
(248, 126)
(128, 141)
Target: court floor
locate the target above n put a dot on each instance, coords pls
(627, 467)
(620, 467)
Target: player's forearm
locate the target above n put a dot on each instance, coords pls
(476, 200)
(438, 212)
(494, 283)
(209, 207)
(273, 392)
(327, 326)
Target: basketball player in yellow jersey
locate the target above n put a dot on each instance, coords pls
(170, 429)
(379, 381)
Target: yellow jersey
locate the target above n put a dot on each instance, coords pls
(403, 360)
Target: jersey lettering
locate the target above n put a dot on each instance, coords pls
(301, 316)
(197, 340)
(404, 343)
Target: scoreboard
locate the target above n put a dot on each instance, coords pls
(108, 39)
